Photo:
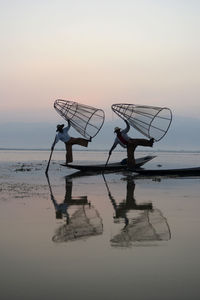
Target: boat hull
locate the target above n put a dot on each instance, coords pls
(112, 167)
(169, 172)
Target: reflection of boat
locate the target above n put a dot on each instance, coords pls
(148, 225)
(85, 220)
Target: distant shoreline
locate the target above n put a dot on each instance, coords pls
(98, 150)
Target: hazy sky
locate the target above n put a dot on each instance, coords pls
(98, 53)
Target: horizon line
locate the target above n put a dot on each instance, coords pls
(96, 150)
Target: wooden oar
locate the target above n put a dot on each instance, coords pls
(106, 163)
(47, 168)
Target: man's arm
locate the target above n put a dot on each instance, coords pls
(69, 125)
(127, 127)
(66, 129)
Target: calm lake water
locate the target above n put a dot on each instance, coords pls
(95, 237)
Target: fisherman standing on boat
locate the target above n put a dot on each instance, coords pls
(69, 141)
(125, 141)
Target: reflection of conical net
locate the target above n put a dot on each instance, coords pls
(151, 121)
(85, 119)
(150, 226)
(85, 222)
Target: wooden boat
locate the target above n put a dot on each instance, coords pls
(169, 172)
(112, 167)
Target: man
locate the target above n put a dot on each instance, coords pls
(125, 141)
(63, 136)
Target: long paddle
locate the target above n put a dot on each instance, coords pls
(47, 168)
(106, 163)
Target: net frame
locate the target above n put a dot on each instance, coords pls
(85, 119)
(126, 111)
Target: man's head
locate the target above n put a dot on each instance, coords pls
(60, 127)
(117, 129)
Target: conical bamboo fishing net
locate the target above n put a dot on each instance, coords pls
(87, 120)
(151, 121)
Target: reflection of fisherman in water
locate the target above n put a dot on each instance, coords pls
(149, 225)
(128, 204)
(84, 221)
(61, 208)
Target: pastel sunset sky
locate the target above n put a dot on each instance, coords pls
(98, 53)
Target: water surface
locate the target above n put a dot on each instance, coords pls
(96, 237)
